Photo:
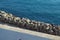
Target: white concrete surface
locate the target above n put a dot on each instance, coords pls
(20, 30)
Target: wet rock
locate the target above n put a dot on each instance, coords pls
(2, 11)
(16, 19)
(30, 24)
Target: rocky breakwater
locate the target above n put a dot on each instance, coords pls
(29, 24)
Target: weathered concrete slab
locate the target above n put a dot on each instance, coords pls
(8, 27)
(12, 35)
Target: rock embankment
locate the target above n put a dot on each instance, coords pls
(29, 24)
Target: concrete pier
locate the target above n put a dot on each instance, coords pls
(29, 32)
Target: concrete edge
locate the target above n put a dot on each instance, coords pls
(5, 26)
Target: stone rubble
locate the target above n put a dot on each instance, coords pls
(30, 24)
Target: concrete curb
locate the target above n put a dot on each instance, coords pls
(39, 34)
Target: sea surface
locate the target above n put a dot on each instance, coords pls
(40, 10)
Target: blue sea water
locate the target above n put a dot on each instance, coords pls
(40, 10)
